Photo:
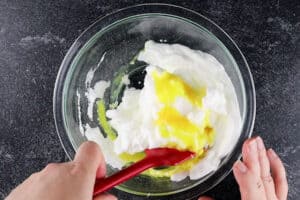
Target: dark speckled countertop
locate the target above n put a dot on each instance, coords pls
(35, 35)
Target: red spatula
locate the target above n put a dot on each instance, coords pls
(154, 158)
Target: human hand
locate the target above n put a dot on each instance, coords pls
(253, 173)
(68, 181)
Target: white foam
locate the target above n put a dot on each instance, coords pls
(134, 118)
(95, 93)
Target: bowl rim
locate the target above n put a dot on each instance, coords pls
(192, 16)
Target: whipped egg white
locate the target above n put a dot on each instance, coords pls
(188, 102)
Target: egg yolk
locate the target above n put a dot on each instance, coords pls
(172, 124)
(190, 136)
(169, 86)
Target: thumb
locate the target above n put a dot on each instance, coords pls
(105, 196)
(89, 156)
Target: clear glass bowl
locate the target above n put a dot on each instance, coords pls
(120, 35)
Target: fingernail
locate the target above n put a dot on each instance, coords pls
(260, 143)
(272, 154)
(241, 166)
(252, 146)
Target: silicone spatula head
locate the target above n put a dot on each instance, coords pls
(167, 156)
(156, 157)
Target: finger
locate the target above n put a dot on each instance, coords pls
(52, 167)
(265, 170)
(279, 175)
(205, 198)
(250, 156)
(91, 159)
(250, 186)
(105, 196)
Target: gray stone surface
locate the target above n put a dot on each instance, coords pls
(35, 35)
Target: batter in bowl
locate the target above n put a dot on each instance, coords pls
(187, 102)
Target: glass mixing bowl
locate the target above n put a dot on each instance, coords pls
(109, 44)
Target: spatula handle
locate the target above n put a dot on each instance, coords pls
(105, 184)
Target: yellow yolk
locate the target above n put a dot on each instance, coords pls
(190, 136)
(172, 124)
(169, 86)
(128, 158)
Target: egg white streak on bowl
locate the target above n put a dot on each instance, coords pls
(134, 118)
(91, 72)
(125, 80)
(92, 93)
(81, 129)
